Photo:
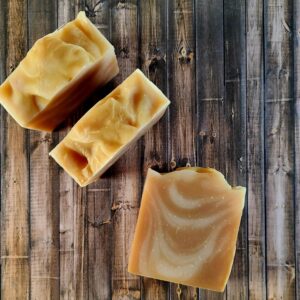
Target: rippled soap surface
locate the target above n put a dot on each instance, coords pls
(49, 66)
(187, 228)
(109, 126)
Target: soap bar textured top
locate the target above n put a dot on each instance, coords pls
(105, 132)
(57, 74)
(187, 228)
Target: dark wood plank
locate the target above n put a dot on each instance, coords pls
(181, 85)
(44, 184)
(234, 130)
(14, 164)
(296, 31)
(210, 91)
(255, 151)
(152, 22)
(210, 83)
(279, 145)
(126, 180)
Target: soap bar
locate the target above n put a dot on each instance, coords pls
(187, 228)
(106, 131)
(57, 74)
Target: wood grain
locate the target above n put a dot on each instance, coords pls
(15, 233)
(73, 204)
(153, 51)
(279, 145)
(126, 180)
(181, 71)
(255, 151)
(296, 35)
(2, 113)
(44, 184)
(65, 13)
(210, 92)
(234, 130)
(99, 194)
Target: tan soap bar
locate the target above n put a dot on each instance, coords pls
(57, 74)
(187, 228)
(106, 131)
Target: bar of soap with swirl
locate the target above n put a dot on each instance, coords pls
(57, 74)
(187, 228)
(106, 131)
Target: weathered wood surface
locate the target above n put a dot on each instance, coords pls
(279, 150)
(255, 150)
(296, 37)
(231, 70)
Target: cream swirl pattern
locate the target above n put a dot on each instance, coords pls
(187, 228)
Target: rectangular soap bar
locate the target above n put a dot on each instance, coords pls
(106, 131)
(187, 228)
(57, 74)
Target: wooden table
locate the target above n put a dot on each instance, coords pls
(231, 69)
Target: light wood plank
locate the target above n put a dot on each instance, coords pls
(80, 215)
(80, 279)
(234, 130)
(65, 13)
(99, 193)
(3, 11)
(73, 203)
(279, 146)
(255, 151)
(126, 185)
(44, 184)
(210, 91)
(181, 71)
(152, 22)
(14, 164)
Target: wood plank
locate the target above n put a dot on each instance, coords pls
(99, 193)
(296, 31)
(279, 146)
(73, 203)
(14, 164)
(126, 182)
(3, 11)
(234, 130)
(80, 215)
(255, 150)
(66, 12)
(44, 184)
(152, 22)
(80, 279)
(210, 92)
(181, 71)
(3, 49)
(210, 83)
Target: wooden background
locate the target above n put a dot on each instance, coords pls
(232, 71)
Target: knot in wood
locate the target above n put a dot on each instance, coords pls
(173, 164)
(121, 4)
(124, 52)
(185, 55)
(156, 62)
